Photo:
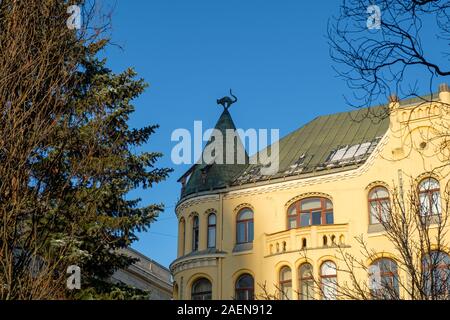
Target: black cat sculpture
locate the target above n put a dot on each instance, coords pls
(226, 102)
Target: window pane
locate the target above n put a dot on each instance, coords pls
(292, 210)
(201, 290)
(285, 274)
(211, 237)
(328, 268)
(378, 193)
(292, 222)
(212, 219)
(313, 203)
(305, 271)
(304, 219)
(317, 218)
(241, 232)
(245, 214)
(250, 231)
(329, 218)
(435, 203)
(329, 204)
(244, 295)
(424, 204)
(286, 291)
(329, 287)
(384, 208)
(307, 290)
(245, 281)
(429, 184)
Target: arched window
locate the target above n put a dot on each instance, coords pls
(195, 233)
(245, 287)
(328, 277)
(306, 282)
(383, 275)
(244, 226)
(201, 290)
(436, 273)
(379, 205)
(285, 283)
(212, 230)
(182, 240)
(310, 211)
(430, 197)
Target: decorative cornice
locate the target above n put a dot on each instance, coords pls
(195, 201)
(191, 262)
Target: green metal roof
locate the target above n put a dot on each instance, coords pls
(327, 143)
(324, 145)
(216, 175)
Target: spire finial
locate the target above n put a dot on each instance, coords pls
(226, 102)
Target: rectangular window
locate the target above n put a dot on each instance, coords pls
(195, 241)
(329, 218)
(304, 219)
(292, 222)
(211, 237)
(316, 218)
(241, 232)
(286, 291)
(307, 290)
(250, 232)
(424, 204)
(329, 288)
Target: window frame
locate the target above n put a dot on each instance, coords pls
(249, 290)
(195, 233)
(298, 212)
(211, 226)
(246, 223)
(442, 268)
(303, 279)
(201, 293)
(378, 202)
(322, 277)
(429, 197)
(393, 276)
(285, 283)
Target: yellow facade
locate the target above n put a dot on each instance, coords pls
(405, 153)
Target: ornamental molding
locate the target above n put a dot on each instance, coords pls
(308, 195)
(378, 183)
(208, 260)
(192, 202)
(425, 175)
(243, 206)
(210, 210)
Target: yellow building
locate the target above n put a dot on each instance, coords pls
(240, 231)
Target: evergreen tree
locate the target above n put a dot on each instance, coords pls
(68, 158)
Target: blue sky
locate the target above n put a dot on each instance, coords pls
(273, 54)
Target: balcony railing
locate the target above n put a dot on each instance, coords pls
(312, 237)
